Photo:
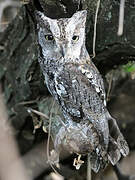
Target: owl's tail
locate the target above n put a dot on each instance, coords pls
(117, 144)
(97, 161)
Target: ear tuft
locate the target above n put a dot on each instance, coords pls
(81, 14)
(41, 19)
(80, 17)
(39, 15)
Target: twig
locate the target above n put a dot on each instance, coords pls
(49, 131)
(37, 112)
(88, 168)
(121, 18)
(48, 140)
(95, 29)
(36, 160)
(27, 102)
(109, 88)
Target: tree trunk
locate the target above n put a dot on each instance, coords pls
(22, 80)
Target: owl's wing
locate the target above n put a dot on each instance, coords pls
(82, 97)
(95, 79)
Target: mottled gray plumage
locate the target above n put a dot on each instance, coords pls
(77, 86)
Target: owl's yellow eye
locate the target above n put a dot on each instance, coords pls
(49, 37)
(75, 38)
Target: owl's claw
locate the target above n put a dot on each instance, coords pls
(78, 162)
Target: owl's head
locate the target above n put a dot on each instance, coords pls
(61, 39)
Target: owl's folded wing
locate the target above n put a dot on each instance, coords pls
(79, 98)
(95, 79)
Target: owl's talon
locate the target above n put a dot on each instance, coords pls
(78, 162)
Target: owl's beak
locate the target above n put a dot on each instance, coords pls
(62, 49)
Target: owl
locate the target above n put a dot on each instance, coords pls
(77, 86)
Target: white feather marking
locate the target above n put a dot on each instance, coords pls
(89, 75)
(97, 89)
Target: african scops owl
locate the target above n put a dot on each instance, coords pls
(77, 86)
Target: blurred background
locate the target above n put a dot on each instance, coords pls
(23, 151)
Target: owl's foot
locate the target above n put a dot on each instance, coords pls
(78, 162)
(122, 176)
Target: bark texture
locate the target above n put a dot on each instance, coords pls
(22, 80)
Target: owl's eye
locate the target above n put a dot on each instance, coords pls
(49, 37)
(75, 38)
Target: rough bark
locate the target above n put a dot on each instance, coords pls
(20, 74)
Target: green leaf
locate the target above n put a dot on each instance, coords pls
(130, 67)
